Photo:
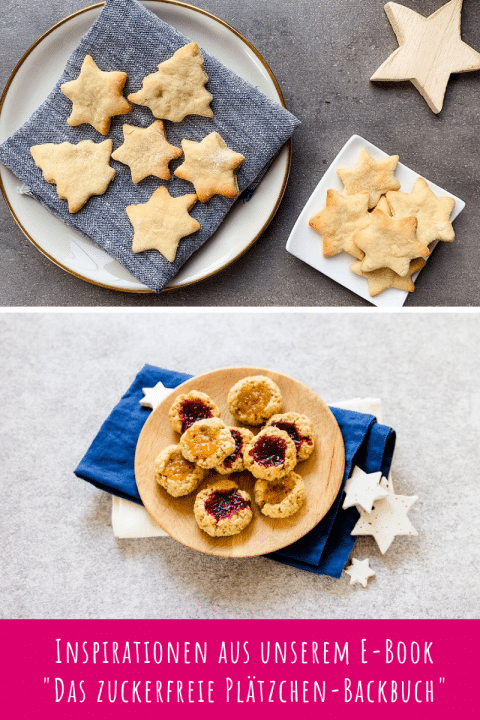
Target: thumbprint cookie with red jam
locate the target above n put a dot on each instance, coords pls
(299, 428)
(270, 455)
(176, 474)
(189, 408)
(223, 509)
(207, 443)
(254, 399)
(282, 498)
(234, 462)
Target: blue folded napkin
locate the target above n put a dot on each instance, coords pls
(129, 38)
(109, 464)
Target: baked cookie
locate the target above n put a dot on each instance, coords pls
(432, 212)
(340, 218)
(222, 509)
(190, 407)
(79, 171)
(210, 166)
(234, 462)
(177, 89)
(384, 278)
(146, 151)
(299, 428)
(390, 242)
(161, 222)
(96, 96)
(282, 498)
(270, 455)
(254, 399)
(207, 443)
(373, 176)
(177, 475)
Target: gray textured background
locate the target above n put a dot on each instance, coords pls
(322, 54)
(64, 373)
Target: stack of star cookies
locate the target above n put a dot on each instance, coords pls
(206, 445)
(175, 90)
(387, 231)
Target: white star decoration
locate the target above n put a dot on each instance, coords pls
(387, 519)
(362, 489)
(154, 396)
(360, 571)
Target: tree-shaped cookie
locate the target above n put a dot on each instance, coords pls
(161, 222)
(177, 89)
(389, 243)
(375, 176)
(79, 171)
(339, 219)
(431, 49)
(146, 151)
(96, 96)
(432, 212)
(211, 166)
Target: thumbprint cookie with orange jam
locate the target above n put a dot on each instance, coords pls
(176, 474)
(282, 498)
(207, 443)
(254, 399)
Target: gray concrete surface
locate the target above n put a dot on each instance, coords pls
(323, 54)
(63, 372)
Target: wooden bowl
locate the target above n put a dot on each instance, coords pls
(322, 471)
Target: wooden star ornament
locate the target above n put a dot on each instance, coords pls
(161, 222)
(430, 50)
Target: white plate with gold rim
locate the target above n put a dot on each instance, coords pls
(33, 79)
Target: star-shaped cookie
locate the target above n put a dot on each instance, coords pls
(340, 218)
(432, 212)
(79, 171)
(360, 571)
(146, 151)
(389, 242)
(161, 222)
(96, 96)
(430, 50)
(362, 489)
(384, 278)
(374, 176)
(210, 165)
(387, 520)
(177, 89)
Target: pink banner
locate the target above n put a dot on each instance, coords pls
(199, 668)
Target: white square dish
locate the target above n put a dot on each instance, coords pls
(306, 244)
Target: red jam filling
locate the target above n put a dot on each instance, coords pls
(225, 503)
(269, 451)
(228, 462)
(292, 430)
(192, 410)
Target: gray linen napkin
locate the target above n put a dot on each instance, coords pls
(128, 37)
